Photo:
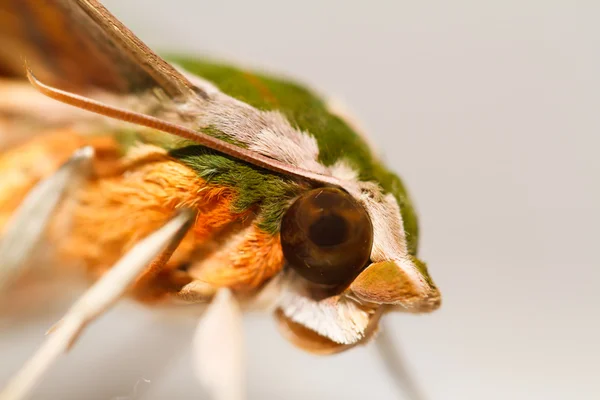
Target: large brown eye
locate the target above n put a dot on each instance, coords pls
(327, 236)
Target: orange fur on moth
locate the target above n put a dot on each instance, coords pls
(131, 197)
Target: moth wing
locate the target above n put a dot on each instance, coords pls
(78, 44)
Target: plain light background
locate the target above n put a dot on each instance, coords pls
(490, 113)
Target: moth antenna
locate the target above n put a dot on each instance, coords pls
(218, 353)
(96, 300)
(154, 123)
(27, 224)
(397, 369)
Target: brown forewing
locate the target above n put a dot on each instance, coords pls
(78, 43)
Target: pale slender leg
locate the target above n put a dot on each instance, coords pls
(218, 349)
(397, 369)
(94, 302)
(29, 221)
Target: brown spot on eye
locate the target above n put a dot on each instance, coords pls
(326, 236)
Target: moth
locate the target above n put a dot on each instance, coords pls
(192, 181)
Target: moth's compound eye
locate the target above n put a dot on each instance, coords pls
(327, 236)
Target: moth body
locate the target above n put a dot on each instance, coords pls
(291, 207)
(142, 176)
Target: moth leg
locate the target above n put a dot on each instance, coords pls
(105, 292)
(27, 224)
(218, 348)
(144, 281)
(196, 291)
(397, 369)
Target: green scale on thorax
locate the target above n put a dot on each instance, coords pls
(305, 111)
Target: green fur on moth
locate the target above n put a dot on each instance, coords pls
(254, 186)
(306, 111)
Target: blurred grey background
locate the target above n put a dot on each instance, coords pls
(490, 112)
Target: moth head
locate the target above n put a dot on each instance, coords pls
(349, 261)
